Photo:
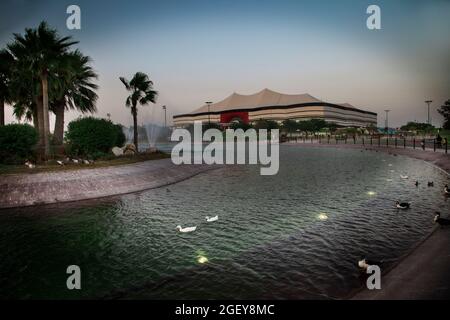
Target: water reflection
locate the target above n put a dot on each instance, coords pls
(294, 235)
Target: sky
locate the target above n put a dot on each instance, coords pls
(198, 50)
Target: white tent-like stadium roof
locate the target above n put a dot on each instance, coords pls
(264, 98)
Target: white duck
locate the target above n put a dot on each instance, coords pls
(60, 162)
(211, 219)
(365, 263)
(404, 176)
(187, 229)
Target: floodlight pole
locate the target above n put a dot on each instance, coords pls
(428, 102)
(165, 116)
(386, 123)
(209, 115)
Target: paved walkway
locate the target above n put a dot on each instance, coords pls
(50, 187)
(423, 274)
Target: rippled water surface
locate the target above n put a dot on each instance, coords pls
(295, 235)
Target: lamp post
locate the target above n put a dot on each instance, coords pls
(165, 116)
(209, 115)
(386, 123)
(428, 102)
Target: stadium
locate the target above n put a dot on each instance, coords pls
(271, 105)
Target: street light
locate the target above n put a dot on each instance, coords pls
(428, 103)
(386, 123)
(209, 115)
(165, 116)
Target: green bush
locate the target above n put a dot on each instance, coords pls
(17, 142)
(92, 137)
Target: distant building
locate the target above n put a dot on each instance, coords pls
(271, 105)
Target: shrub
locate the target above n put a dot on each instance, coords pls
(17, 142)
(92, 137)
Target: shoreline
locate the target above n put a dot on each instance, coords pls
(405, 279)
(437, 159)
(22, 190)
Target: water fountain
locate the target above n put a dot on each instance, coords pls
(128, 132)
(152, 131)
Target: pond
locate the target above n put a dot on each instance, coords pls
(298, 234)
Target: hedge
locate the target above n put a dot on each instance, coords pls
(17, 142)
(92, 136)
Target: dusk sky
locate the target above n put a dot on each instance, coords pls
(197, 51)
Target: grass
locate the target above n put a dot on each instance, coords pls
(52, 166)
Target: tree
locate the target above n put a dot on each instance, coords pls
(141, 88)
(290, 125)
(6, 61)
(93, 137)
(417, 126)
(38, 51)
(266, 124)
(17, 142)
(210, 125)
(317, 124)
(73, 89)
(371, 128)
(444, 111)
(240, 125)
(332, 126)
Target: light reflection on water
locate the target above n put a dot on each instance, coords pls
(298, 234)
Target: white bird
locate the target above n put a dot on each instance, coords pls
(441, 221)
(187, 229)
(75, 160)
(30, 165)
(60, 162)
(404, 177)
(86, 162)
(365, 263)
(211, 219)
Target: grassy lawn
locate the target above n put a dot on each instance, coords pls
(52, 166)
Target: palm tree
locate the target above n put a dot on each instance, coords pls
(25, 95)
(38, 52)
(141, 88)
(6, 64)
(73, 89)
